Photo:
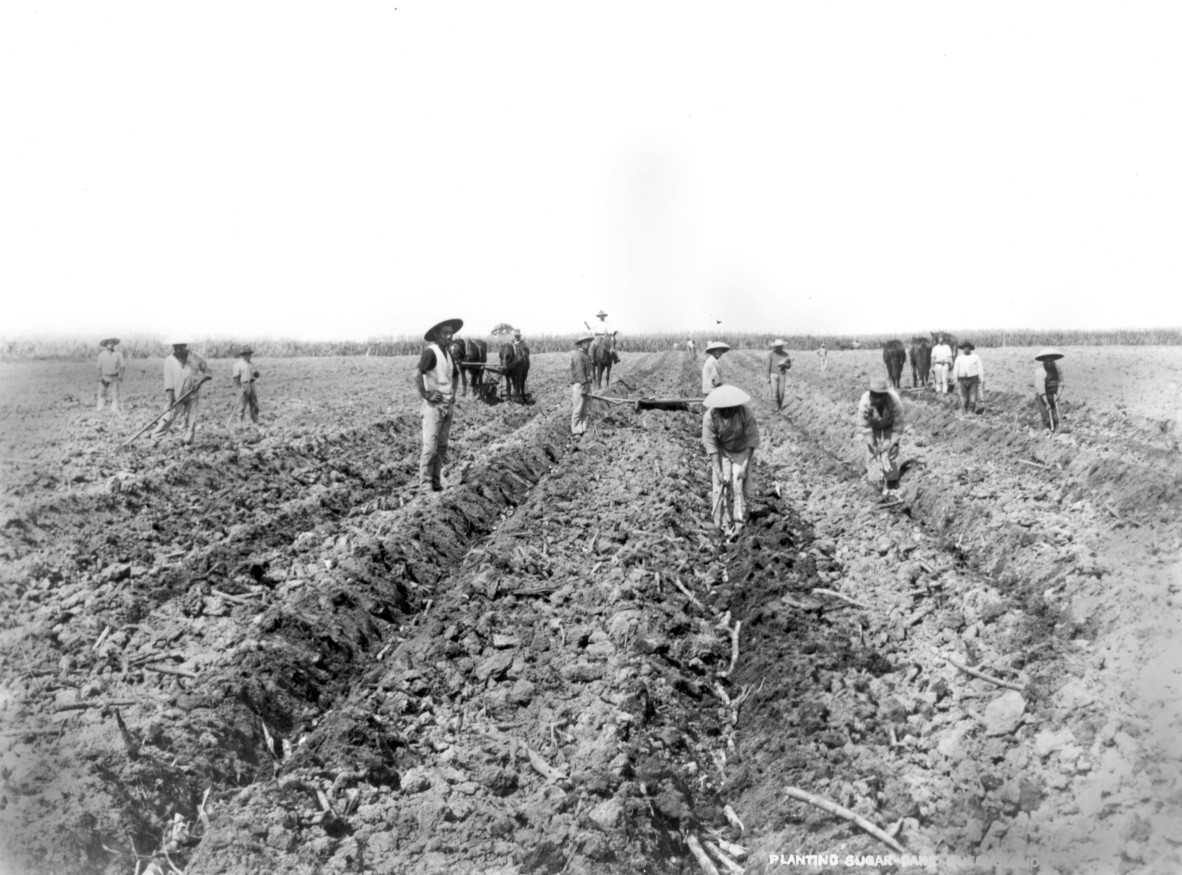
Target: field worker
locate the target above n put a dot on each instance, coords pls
(110, 374)
(244, 375)
(184, 373)
(435, 380)
(778, 363)
(517, 367)
(1048, 383)
(730, 435)
(711, 371)
(941, 364)
(880, 424)
(823, 355)
(969, 373)
(582, 373)
(689, 345)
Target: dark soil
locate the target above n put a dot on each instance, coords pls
(272, 654)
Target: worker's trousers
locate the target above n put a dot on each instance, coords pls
(436, 431)
(941, 371)
(777, 387)
(730, 508)
(247, 400)
(1048, 409)
(186, 412)
(879, 464)
(109, 386)
(580, 407)
(970, 393)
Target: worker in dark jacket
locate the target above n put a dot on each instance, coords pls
(582, 374)
(1048, 383)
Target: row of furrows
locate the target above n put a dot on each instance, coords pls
(842, 681)
(981, 549)
(513, 636)
(1140, 472)
(278, 643)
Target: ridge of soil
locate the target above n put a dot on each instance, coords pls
(271, 654)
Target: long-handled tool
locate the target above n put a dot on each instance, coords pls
(166, 411)
(652, 403)
(1053, 411)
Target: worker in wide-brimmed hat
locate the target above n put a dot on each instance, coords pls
(1048, 387)
(969, 373)
(582, 374)
(880, 425)
(730, 435)
(110, 375)
(244, 375)
(711, 370)
(778, 363)
(184, 374)
(599, 325)
(823, 355)
(436, 378)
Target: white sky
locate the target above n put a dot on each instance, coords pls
(350, 170)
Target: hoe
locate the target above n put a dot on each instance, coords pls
(165, 413)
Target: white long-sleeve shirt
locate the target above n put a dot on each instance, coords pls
(711, 374)
(968, 364)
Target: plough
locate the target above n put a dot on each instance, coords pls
(490, 390)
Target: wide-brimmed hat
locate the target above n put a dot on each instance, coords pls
(779, 341)
(726, 396)
(455, 325)
(517, 332)
(109, 341)
(600, 314)
(717, 344)
(879, 385)
(177, 340)
(1048, 354)
(586, 335)
(246, 350)
(966, 344)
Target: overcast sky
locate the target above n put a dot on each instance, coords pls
(352, 170)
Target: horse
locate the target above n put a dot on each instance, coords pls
(515, 366)
(472, 352)
(893, 356)
(603, 356)
(921, 361)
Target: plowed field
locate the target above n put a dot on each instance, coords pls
(269, 653)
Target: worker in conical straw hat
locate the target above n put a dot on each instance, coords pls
(730, 435)
(778, 363)
(582, 374)
(184, 373)
(436, 378)
(711, 371)
(969, 372)
(110, 374)
(880, 424)
(1048, 387)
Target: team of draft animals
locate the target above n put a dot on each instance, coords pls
(730, 432)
